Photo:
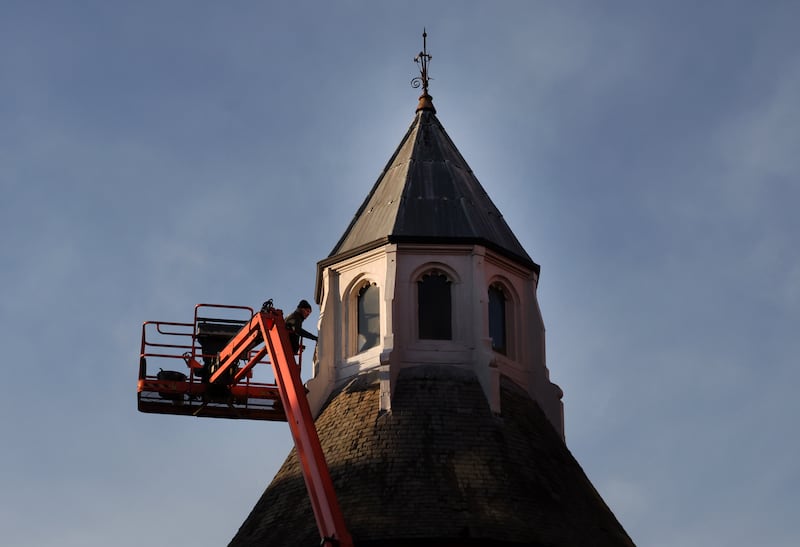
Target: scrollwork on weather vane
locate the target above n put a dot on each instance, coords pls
(422, 59)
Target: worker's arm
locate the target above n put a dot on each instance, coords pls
(305, 334)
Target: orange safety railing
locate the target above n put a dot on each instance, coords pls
(171, 367)
(232, 350)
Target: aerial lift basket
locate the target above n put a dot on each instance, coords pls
(220, 355)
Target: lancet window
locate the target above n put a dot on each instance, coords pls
(497, 318)
(435, 306)
(369, 316)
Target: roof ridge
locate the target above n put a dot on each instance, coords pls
(436, 172)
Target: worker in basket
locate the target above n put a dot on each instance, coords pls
(294, 324)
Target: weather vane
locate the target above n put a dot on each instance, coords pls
(422, 59)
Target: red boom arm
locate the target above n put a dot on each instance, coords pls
(269, 326)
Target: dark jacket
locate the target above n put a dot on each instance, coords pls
(294, 324)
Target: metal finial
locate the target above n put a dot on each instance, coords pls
(422, 59)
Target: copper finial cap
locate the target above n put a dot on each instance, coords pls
(425, 103)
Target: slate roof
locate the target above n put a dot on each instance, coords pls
(439, 469)
(428, 194)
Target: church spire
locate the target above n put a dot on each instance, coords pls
(422, 59)
(427, 194)
(432, 397)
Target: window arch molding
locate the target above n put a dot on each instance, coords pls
(439, 267)
(507, 286)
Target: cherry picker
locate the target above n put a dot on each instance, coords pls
(221, 352)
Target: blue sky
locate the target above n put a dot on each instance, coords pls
(158, 154)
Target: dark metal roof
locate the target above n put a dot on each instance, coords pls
(439, 469)
(428, 194)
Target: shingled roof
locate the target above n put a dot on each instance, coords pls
(439, 469)
(428, 194)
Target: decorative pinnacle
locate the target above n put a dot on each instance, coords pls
(422, 59)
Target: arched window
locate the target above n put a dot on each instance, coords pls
(434, 306)
(369, 317)
(497, 318)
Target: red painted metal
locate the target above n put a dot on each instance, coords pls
(231, 354)
(285, 399)
(330, 520)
